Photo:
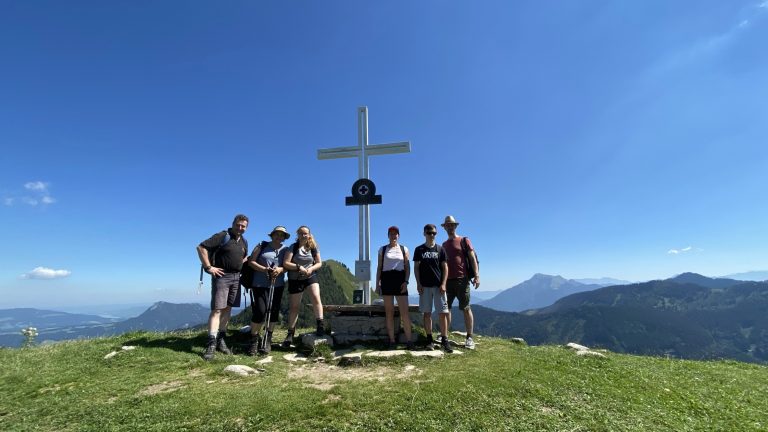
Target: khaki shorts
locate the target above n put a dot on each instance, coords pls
(433, 296)
(458, 288)
(225, 291)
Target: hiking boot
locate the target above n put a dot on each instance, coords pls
(253, 348)
(288, 339)
(210, 348)
(429, 346)
(409, 346)
(389, 346)
(469, 344)
(446, 344)
(267, 348)
(320, 328)
(221, 346)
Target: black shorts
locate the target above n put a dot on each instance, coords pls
(296, 286)
(392, 283)
(259, 304)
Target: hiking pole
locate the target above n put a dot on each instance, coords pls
(268, 315)
(200, 285)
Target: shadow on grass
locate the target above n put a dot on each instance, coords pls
(186, 342)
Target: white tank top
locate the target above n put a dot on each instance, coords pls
(393, 259)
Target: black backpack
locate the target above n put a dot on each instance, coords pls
(465, 251)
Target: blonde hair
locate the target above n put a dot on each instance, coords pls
(311, 244)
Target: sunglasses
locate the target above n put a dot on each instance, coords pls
(430, 232)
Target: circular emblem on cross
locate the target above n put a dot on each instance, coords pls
(363, 188)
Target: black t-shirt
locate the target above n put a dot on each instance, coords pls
(428, 259)
(228, 257)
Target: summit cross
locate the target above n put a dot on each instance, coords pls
(362, 152)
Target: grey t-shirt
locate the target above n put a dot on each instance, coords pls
(302, 257)
(270, 256)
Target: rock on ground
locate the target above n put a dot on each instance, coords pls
(313, 340)
(241, 370)
(577, 347)
(295, 357)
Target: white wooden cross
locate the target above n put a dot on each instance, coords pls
(362, 152)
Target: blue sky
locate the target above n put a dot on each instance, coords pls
(586, 139)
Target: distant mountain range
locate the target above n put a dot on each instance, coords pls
(688, 316)
(55, 326)
(539, 291)
(13, 320)
(757, 276)
(603, 281)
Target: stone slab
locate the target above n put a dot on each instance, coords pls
(363, 309)
(434, 354)
(386, 354)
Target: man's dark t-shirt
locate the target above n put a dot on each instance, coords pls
(429, 259)
(228, 257)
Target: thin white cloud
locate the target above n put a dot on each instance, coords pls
(713, 43)
(45, 273)
(35, 193)
(36, 186)
(683, 250)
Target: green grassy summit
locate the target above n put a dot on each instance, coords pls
(163, 384)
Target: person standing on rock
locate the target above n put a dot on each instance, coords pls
(462, 269)
(302, 260)
(392, 275)
(222, 257)
(267, 263)
(430, 268)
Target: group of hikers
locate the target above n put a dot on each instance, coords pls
(443, 274)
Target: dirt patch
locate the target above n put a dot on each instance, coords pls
(325, 377)
(164, 387)
(549, 410)
(332, 398)
(321, 386)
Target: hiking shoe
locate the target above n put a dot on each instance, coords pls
(320, 328)
(253, 348)
(409, 346)
(430, 342)
(446, 344)
(288, 340)
(210, 349)
(222, 347)
(389, 346)
(469, 344)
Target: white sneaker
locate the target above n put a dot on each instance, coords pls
(469, 344)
